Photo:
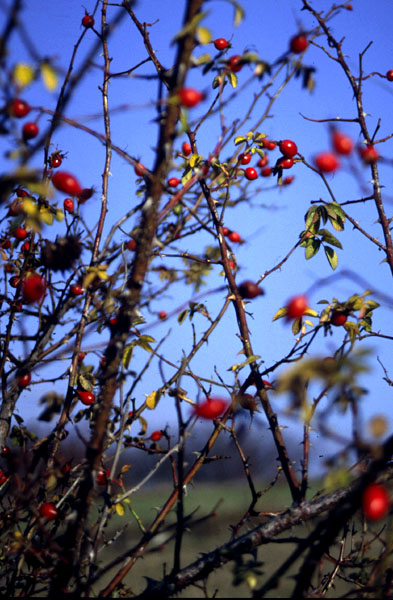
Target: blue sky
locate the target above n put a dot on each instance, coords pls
(272, 222)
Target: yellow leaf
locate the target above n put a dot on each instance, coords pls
(59, 215)
(51, 483)
(49, 77)
(46, 216)
(193, 159)
(119, 509)
(152, 400)
(88, 279)
(30, 208)
(23, 75)
(203, 35)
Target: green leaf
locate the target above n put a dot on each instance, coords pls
(239, 366)
(144, 342)
(338, 223)
(331, 256)
(310, 216)
(329, 238)
(312, 247)
(282, 312)
(182, 317)
(127, 354)
(335, 210)
(323, 213)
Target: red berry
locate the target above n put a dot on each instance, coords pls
(349, 7)
(368, 154)
(288, 180)
(375, 502)
(156, 436)
(298, 43)
(81, 355)
(87, 398)
(173, 182)
(131, 245)
(34, 288)
(288, 148)
(245, 158)
(5, 452)
(24, 380)
(250, 173)
(140, 170)
(20, 233)
(76, 289)
(102, 476)
(338, 318)
(296, 307)
(186, 148)
(48, 511)
(19, 108)
(162, 315)
(262, 162)
(30, 130)
(14, 281)
(3, 477)
(285, 163)
(25, 247)
(221, 44)
(342, 143)
(327, 162)
(190, 97)
(88, 21)
(266, 172)
(234, 65)
(68, 205)
(389, 75)
(211, 408)
(269, 145)
(226, 231)
(6, 244)
(55, 160)
(85, 194)
(249, 290)
(234, 237)
(67, 183)
(21, 193)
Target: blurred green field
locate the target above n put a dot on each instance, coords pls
(233, 502)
